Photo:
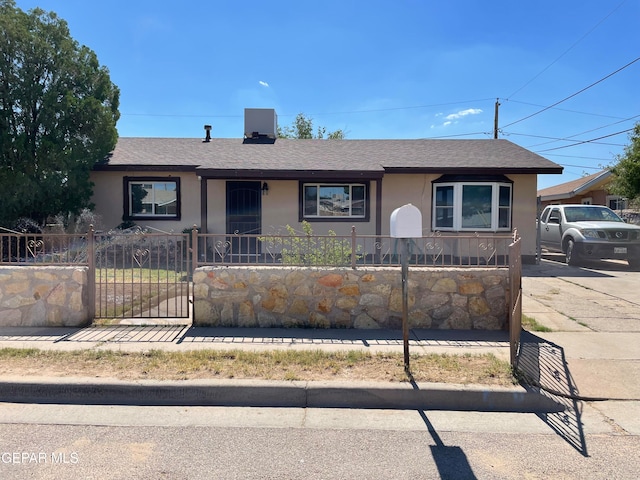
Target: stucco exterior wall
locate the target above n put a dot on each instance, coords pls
(280, 206)
(47, 296)
(108, 197)
(346, 298)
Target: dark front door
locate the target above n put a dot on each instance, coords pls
(244, 206)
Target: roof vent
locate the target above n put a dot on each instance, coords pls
(207, 129)
(260, 122)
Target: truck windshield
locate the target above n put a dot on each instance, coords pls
(590, 214)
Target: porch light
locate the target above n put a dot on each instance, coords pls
(265, 188)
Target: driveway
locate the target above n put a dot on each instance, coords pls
(594, 314)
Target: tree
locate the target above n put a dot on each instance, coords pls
(626, 172)
(58, 114)
(302, 127)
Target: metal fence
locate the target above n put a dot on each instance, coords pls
(354, 250)
(515, 297)
(436, 250)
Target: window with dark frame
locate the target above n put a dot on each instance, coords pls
(151, 198)
(334, 201)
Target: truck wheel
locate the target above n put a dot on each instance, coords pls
(571, 254)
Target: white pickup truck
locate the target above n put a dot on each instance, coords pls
(584, 232)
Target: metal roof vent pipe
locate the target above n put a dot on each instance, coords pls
(207, 138)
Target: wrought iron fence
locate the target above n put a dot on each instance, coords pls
(354, 250)
(43, 248)
(437, 249)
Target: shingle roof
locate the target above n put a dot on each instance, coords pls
(574, 187)
(287, 155)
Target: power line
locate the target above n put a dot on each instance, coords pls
(568, 49)
(586, 141)
(582, 133)
(575, 156)
(563, 109)
(347, 112)
(554, 139)
(458, 135)
(574, 94)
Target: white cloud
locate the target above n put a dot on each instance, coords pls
(446, 123)
(463, 113)
(264, 84)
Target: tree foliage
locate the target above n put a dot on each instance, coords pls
(302, 128)
(626, 172)
(58, 114)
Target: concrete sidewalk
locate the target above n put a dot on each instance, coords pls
(329, 394)
(592, 354)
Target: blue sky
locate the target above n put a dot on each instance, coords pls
(376, 69)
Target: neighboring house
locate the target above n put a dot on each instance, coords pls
(259, 183)
(589, 190)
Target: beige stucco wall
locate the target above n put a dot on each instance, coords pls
(280, 206)
(108, 197)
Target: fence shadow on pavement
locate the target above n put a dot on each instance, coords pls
(355, 337)
(544, 369)
(94, 334)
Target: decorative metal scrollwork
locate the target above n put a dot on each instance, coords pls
(35, 247)
(141, 256)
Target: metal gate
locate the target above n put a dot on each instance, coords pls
(515, 297)
(141, 275)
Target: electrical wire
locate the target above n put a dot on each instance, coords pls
(574, 94)
(347, 112)
(587, 141)
(568, 49)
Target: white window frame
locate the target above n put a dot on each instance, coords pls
(318, 187)
(458, 188)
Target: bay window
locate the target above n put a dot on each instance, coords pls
(471, 205)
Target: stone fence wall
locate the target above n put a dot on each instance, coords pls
(43, 296)
(445, 298)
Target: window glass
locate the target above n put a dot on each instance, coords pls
(472, 206)
(476, 206)
(444, 206)
(153, 199)
(334, 200)
(310, 200)
(504, 206)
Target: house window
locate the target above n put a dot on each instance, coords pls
(152, 198)
(470, 205)
(616, 203)
(334, 201)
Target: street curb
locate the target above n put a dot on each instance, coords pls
(259, 393)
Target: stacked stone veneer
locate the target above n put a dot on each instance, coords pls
(43, 296)
(346, 298)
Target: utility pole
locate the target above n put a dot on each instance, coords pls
(495, 119)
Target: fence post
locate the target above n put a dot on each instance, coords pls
(353, 247)
(194, 248)
(91, 273)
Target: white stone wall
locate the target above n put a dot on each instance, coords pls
(345, 298)
(38, 296)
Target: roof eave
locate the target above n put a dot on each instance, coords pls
(289, 174)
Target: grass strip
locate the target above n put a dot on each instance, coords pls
(306, 365)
